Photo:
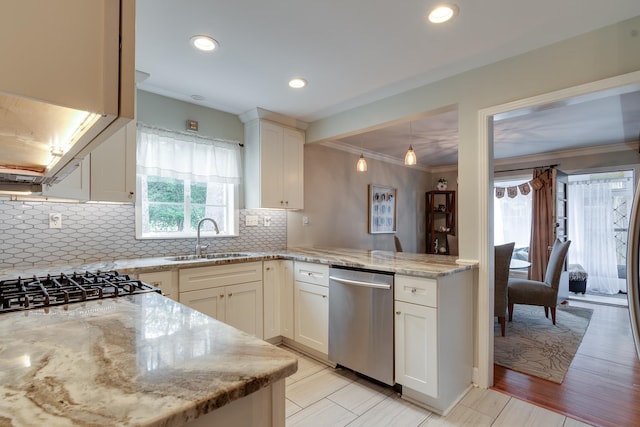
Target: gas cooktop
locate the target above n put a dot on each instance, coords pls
(37, 292)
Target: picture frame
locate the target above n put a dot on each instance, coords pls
(382, 209)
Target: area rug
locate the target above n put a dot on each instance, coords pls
(534, 346)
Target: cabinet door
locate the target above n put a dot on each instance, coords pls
(75, 186)
(286, 300)
(272, 280)
(271, 165)
(416, 348)
(312, 316)
(113, 167)
(293, 169)
(243, 307)
(208, 301)
(167, 281)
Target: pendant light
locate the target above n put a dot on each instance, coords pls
(361, 166)
(410, 157)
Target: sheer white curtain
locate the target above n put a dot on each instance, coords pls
(179, 155)
(592, 234)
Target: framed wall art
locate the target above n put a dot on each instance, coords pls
(382, 209)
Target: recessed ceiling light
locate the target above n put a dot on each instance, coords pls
(197, 97)
(443, 13)
(297, 83)
(204, 43)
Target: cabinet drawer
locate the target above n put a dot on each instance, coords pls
(317, 274)
(193, 279)
(416, 290)
(167, 281)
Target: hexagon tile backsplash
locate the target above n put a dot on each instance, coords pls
(93, 231)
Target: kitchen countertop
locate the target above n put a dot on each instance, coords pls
(412, 264)
(136, 360)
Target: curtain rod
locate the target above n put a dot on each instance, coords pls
(529, 168)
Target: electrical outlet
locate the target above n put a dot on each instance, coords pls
(267, 221)
(305, 220)
(251, 220)
(55, 220)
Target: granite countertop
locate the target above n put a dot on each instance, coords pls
(136, 360)
(413, 264)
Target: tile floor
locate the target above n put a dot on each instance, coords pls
(318, 395)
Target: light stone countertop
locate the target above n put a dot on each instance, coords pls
(412, 264)
(135, 360)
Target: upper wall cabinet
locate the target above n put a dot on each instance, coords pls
(274, 166)
(113, 167)
(108, 174)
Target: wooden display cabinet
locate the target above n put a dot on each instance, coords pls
(441, 220)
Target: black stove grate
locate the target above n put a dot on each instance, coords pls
(36, 292)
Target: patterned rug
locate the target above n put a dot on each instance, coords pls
(534, 346)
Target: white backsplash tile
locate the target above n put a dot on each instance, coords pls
(93, 232)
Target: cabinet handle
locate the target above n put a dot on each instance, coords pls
(398, 312)
(230, 295)
(268, 268)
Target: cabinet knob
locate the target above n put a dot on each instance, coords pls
(221, 296)
(398, 312)
(131, 194)
(282, 202)
(230, 295)
(414, 290)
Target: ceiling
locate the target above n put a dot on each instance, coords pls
(353, 52)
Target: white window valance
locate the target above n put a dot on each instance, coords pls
(180, 155)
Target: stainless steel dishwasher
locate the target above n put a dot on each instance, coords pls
(361, 322)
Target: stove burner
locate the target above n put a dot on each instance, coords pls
(36, 292)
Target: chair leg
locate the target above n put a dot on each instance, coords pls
(503, 324)
(510, 312)
(553, 315)
(546, 312)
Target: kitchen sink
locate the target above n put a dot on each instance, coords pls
(215, 255)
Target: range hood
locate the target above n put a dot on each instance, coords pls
(66, 85)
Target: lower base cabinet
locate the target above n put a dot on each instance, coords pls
(167, 281)
(311, 306)
(231, 293)
(434, 339)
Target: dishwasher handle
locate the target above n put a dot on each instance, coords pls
(360, 283)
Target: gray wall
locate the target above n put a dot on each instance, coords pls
(335, 200)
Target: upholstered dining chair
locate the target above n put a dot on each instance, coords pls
(501, 262)
(545, 294)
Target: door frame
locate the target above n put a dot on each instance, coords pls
(484, 374)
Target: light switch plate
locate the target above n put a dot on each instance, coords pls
(251, 220)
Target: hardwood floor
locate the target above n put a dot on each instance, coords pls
(602, 386)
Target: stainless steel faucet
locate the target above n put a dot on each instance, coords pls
(200, 247)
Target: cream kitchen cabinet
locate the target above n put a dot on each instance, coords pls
(433, 338)
(113, 167)
(231, 293)
(108, 174)
(167, 281)
(274, 160)
(278, 298)
(311, 305)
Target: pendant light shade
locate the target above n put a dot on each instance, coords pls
(410, 157)
(361, 166)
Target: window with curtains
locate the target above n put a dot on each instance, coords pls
(512, 217)
(183, 178)
(599, 210)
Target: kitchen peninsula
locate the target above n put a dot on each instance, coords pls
(178, 363)
(140, 360)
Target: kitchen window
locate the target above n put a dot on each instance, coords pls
(183, 178)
